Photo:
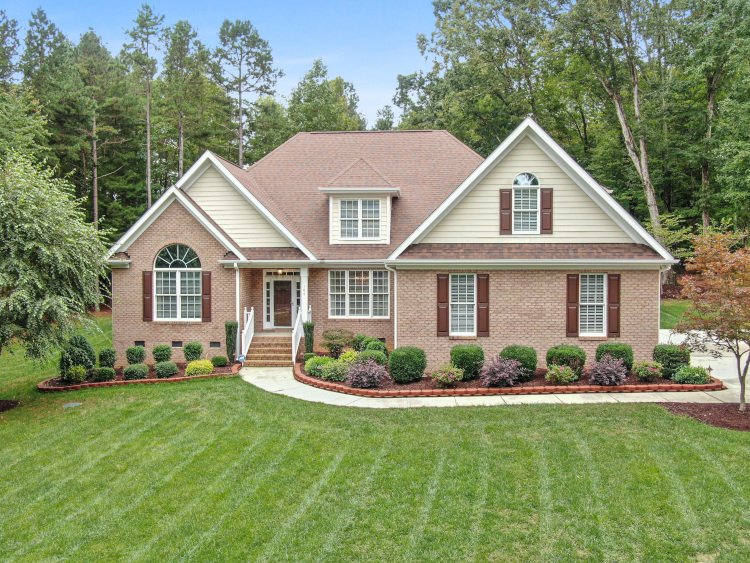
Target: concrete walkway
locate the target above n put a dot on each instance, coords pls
(282, 382)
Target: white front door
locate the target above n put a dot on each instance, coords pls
(281, 298)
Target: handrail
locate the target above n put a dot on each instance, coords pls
(296, 334)
(248, 331)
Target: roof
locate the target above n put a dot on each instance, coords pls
(536, 251)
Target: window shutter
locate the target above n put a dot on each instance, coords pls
(506, 212)
(443, 295)
(148, 291)
(546, 209)
(483, 304)
(571, 321)
(206, 301)
(613, 305)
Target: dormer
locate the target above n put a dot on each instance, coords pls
(359, 205)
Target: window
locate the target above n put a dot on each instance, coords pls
(358, 293)
(526, 204)
(360, 218)
(178, 284)
(463, 304)
(592, 299)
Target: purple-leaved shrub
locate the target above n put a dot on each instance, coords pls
(502, 372)
(366, 374)
(608, 371)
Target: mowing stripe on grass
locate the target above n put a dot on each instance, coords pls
(545, 501)
(472, 550)
(417, 533)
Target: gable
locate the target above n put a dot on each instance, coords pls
(359, 175)
(232, 212)
(576, 218)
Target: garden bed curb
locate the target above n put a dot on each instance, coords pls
(715, 385)
(44, 389)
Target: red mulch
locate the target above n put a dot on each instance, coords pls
(721, 415)
(104, 311)
(6, 405)
(151, 375)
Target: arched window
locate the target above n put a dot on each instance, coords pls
(178, 284)
(526, 203)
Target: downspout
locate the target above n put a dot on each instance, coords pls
(395, 303)
(240, 328)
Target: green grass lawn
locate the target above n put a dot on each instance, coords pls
(220, 470)
(671, 311)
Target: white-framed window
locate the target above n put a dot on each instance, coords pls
(463, 305)
(358, 294)
(592, 300)
(359, 218)
(526, 204)
(177, 284)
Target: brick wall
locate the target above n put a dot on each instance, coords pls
(174, 225)
(526, 307)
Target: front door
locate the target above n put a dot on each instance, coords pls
(282, 302)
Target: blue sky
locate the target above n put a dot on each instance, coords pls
(367, 43)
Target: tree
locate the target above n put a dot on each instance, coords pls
(51, 260)
(22, 124)
(269, 127)
(385, 119)
(8, 47)
(245, 65)
(719, 291)
(139, 55)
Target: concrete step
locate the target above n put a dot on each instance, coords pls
(268, 363)
(269, 355)
(284, 345)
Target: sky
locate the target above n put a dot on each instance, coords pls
(366, 43)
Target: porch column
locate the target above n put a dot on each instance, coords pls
(303, 274)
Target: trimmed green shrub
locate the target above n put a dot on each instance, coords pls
(103, 374)
(107, 357)
(446, 375)
(671, 357)
(647, 371)
(407, 364)
(136, 371)
(375, 355)
(561, 374)
(349, 357)
(220, 361)
(567, 355)
(468, 357)
(377, 345)
(617, 350)
(313, 365)
(334, 371)
(608, 371)
(363, 344)
(692, 375)
(336, 339)
(526, 355)
(308, 356)
(358, 342)
(366, 374)
(74, 375)
(162, 353)
(79, 341)
(72, 356)
(230, 330)
(308, 329)
(192, 351)
(135, 355)
(165, 369)
(199, 367)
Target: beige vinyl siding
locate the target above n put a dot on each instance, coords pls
(576, 218)
(233, 213)
(335, 227)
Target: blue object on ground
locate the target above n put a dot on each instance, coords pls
(69, 405)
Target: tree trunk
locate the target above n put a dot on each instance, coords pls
(239, 130)
(180, 127)
(705, 170)
(742, 374)
(95, 174)
(148, 142)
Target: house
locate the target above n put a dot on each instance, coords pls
(408, 236)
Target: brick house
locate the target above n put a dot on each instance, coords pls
(408, 236)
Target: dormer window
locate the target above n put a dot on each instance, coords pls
(526, 204)
(360, 218)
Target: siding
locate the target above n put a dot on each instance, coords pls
(233, 212)
(335, 226)
(576, 217)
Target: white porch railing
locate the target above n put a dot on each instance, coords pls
(297, 334)
(248, 331)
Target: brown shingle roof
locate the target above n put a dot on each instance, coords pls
(538, 251)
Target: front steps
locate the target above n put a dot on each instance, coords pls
(270, 350)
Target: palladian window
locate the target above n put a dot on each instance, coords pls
(177, 288)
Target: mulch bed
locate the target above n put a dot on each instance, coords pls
(6, 405)
(721, 415)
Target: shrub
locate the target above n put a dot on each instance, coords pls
(162, 353)
(192, 351)
(407, 364)
(72, 356)
(469, 358)
(135, 355)
(524, 354)
(165, 369)
(567, 355)
(358, 342)
(308, 329)
(230, 330)
(74, 375)
(616, 350)
(366, 374)
(336, 339)
(692, 375)
(313, 365)
(334, 371)
(199, 367)
(136, 371)
(79, 341)
(103, 374)
(608, 371)
(446, 375)
(349, 357)
(107, 357)
(308, 356)
(647, 371)
(220, 361)
(375, 355)
(363, 344)
(561, 374)
(377, 345)
(502, 372)
(671, 357)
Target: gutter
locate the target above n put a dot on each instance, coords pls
(463, 264)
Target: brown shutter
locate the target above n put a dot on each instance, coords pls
(443, 292)
(571, 320)
(546, 211)
(613, 305)
(206, 286)
(148, 290)
(483, 304)
(506, 212)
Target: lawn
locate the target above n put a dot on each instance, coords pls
(220, 470)
(671, 311)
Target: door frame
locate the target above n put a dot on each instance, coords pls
(269, 276)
